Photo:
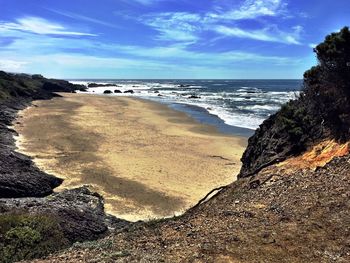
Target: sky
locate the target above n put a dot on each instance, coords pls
(166, 39)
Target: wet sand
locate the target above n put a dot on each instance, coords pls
(148, 161)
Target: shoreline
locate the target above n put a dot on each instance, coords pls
(161, 184)
(203, 116)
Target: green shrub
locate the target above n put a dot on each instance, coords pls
(293, 118)
(24, 236)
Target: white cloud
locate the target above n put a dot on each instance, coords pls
(146, 2)
(251, 9)
(187, 27)
(143, 2)
(39, 26)
(312, 45)
(83, 18)
(11, 65)
(176, 26)
(269, 34)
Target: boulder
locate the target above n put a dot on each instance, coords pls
(129, 91)
(79, 212)
(107, 92)
(117, 91)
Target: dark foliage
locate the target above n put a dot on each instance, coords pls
(29, 236)
(321, 111)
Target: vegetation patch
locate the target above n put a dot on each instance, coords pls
(24, 236)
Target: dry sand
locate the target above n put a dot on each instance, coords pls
(148, 161)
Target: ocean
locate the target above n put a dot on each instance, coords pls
(233, 106)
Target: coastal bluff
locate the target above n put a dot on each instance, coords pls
(27, 206)
(18, 176)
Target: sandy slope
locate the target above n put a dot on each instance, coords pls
(144, 158)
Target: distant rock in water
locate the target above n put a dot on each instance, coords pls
(117, 91)
(129, 91)
(83, 89)
(95, 85)
(184, 86)
(194, 97)
(107, 92)
(321, 112)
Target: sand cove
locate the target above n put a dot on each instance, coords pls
(147, 160)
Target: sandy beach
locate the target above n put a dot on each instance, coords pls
(148, 161)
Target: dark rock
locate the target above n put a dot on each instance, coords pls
(117, 91)
(194, 97)
(156, 91)
(107, 92)
(129, 91)
(184, 86)
(254, 184)
(83, 89)
(79, 211)
(160, 95)
(19, 177)
(95, 85)
(37, 76)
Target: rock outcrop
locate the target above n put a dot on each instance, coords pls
(321, 112)
(32, 217)
(19, 177)
(79, 212)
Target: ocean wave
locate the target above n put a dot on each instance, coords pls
(238, 105)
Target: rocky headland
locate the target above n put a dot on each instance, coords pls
(27, 204)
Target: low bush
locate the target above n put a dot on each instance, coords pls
(24, 236)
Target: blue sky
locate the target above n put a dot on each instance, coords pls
(166, 38)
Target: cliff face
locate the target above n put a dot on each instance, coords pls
(321, 112)
(33, 221)
(18, 176)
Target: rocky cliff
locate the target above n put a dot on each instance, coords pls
(18, 176)
(321, 112)
(33, 221)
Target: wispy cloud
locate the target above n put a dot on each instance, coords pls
(251, 9)
(39, 26)
(146, 2)
(11, 65)
(177, 26)
(83, 18)
(266, 34)
(187, 27)
(312, 45)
